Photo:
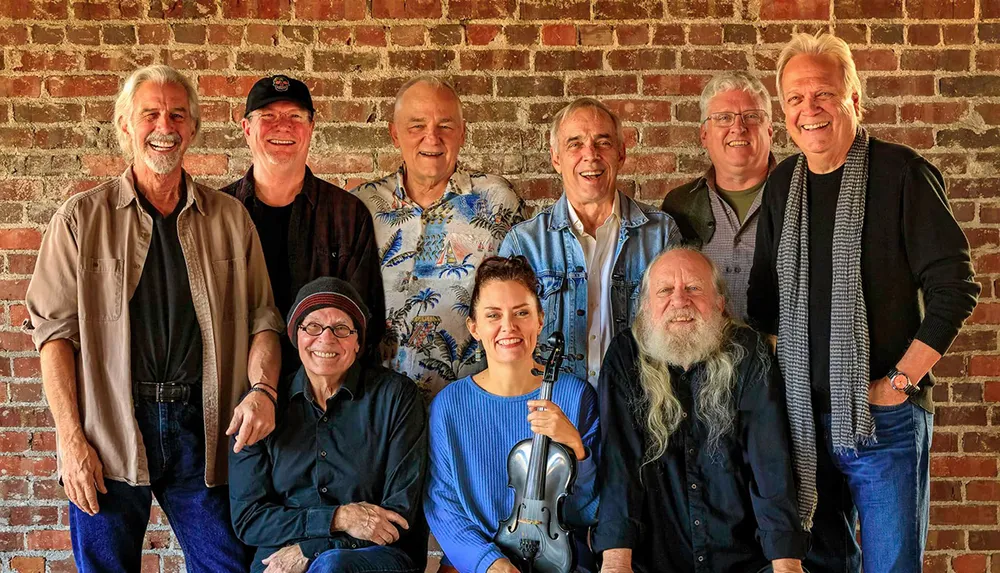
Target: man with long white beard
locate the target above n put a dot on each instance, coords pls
(696, 472)
(157, 331)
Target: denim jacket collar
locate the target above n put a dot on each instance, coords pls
(631, 213)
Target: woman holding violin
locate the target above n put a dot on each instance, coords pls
(476, 421)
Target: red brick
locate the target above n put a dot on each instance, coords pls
(955, 34)
(22, 86)
(13, 35)
(939, 112)
(988, 60)
(47, 540)
(875, 59)
(641, 111)
(699, 9)
(28, 564)
(671, 136)
(421, 60)
(933, 60)
(568, 60)
(714, 60)
(114, 10)
(981, 443)
(481, 34)
(983, 490)
(940, 9)
(559, 35)
(47, 34)
(968, 188)
(900, 86)
(28, 392)
(116, 61)
(683, 84)
(963, 515)
(859, 9)
(705, 34)
(795, 10)
(78, 86)
(530, 86)
(256, 9)
(25, 466)
(945, 490)
(941, 539)
(14, 442)
(494, 60)
(632, 34)
(642, 59)
(555, 10)
(923, 34)
(407, 35)
(20, 239)
(446, 35)
(411, 9)
(968, 466)
(330, 10)
(263, 34)
(471, 9)
(960, 415)
(916, 137)
(603, 85)
(944, 442)
(54, 61)
(969, 563)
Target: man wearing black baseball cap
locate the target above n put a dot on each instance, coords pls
(308, 227)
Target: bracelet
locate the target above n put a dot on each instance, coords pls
(268, 386)
(264, 392)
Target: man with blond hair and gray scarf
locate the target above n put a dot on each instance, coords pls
(696, 473)
(151, 309)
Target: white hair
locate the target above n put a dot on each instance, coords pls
(822, 44)
(124, 105)
(583, 103)
(432, 81)
(735, 81)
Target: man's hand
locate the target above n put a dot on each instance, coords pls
(617, 561)
(288, 559)
(502, 566)
(881, 393)
(82, 473)
(786, 566)
(253, 419)
(369, 522)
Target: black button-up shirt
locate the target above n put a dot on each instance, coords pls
(369, 445)
(731, 510)
(329, 234)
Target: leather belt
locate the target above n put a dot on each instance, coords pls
(163, 391)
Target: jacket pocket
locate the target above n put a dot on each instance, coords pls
(100, 287)
(230, 294)
(550, 287)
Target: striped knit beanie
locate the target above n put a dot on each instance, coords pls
(326, 292)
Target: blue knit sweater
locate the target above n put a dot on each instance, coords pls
(471, 434)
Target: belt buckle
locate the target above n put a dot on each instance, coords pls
(159, 392)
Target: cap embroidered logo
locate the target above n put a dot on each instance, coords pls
(280, 83)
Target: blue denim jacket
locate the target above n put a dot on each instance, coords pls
(548, 242)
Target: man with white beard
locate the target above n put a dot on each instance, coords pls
(696, 472)
(158, 337)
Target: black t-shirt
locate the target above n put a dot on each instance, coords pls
(823, 193)
(272, 228)
(166, 339)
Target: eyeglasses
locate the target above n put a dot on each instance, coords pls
(296, 117)
(751, 118)
(315, 329)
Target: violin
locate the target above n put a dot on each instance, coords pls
(542, 474)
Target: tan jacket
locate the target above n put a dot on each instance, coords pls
(90, 261)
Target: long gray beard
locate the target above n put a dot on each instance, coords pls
(658, 349)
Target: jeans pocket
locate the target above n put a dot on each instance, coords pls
(887, 408)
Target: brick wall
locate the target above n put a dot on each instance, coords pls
(931, 69)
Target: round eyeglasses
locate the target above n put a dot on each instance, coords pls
(338, 330)
(752, 117)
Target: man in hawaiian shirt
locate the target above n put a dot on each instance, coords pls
(434, 223)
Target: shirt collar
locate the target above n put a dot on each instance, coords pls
(351, 386)
(460, 183)
(246, 190)
(127, 191)
(709, 176)
(577, 225)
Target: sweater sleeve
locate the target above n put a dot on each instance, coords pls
(762, 290)
(938, 253)
(463, 542)
(581, 507)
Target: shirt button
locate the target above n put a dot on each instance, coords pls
(701, 558)
(697, 522)
(592, 373)
(323, 419)
(593, 337)
(694, 486)
(691, 451)
(323, 453)
(324, 490)
(580, 312)
(684, 414)
(737, 269)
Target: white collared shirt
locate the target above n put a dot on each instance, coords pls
(599, 254)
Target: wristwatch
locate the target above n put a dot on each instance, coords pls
(900, 382)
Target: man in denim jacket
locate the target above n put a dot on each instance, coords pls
(591, 247)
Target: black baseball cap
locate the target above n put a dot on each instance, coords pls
(278, 88)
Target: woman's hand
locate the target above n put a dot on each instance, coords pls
(549, 420)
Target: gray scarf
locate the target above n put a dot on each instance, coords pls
(851, 421)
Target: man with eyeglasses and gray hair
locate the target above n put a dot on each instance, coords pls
(717, 212)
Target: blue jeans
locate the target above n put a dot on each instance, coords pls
(365, 560)
(111, 541)
(886, 484)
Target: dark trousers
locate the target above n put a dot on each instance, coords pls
(367, 560)
(174, 439)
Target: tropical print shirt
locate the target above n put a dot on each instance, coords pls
(429, 259)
